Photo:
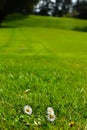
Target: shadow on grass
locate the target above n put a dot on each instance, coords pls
(84, 29)
(12, 19)
(8, 27)
(16, 16)
(28, 25)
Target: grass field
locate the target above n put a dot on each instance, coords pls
(43, 63)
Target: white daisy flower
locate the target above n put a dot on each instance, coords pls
(27, 110)
(51, 117)
(50, 110)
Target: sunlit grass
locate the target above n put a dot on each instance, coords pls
(42, 68)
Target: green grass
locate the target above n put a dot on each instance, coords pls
(51, 22)
(47, 58)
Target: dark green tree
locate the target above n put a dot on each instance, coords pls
(57, 8)
(62, 7)
(10, 6)
(81, 9)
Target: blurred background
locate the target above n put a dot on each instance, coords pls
(56, 8)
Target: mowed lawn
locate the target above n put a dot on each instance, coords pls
(43, 64)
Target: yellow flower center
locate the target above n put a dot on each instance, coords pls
(27, 110)
(51, 116)
(50, 110)
(71, 123)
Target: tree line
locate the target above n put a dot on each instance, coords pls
(62, 7)
(20, 6)
(44, 7)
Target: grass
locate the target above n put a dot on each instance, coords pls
(43, 64)
(36, 21)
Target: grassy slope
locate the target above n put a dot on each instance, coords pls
(51, 22)
(51, 64)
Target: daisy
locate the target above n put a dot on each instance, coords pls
(27, 110)
(51, 117)
(50, 110)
